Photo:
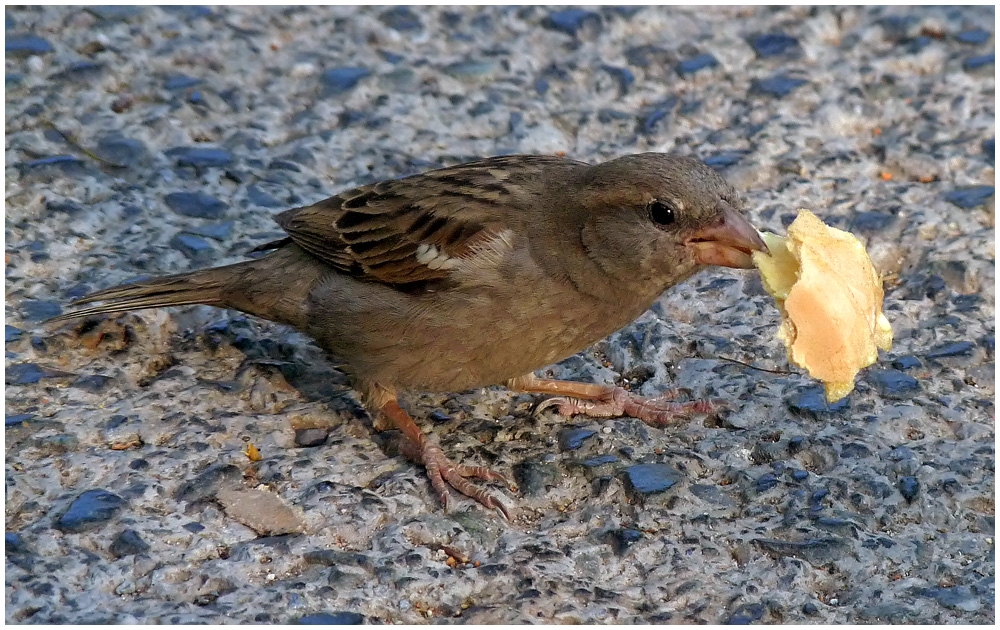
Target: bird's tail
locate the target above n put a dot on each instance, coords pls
(197, 287)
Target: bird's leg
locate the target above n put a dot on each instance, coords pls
(442, 471)
(608, 401)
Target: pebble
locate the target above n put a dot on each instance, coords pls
(954, 349)
(90, 510)
(970, 196)
(855, 450)
(811, 400)
(471, 69)
(25, 44)
(194, 248)
(16, 419)
(747, 614)
(92, 382)
(892, 383)
(79, 71)
(906, 362)
(311, 437)
(778, 85)
(128, 543)
(694, 64)
(39, 310)
(116, 12)
(340, 80)
(867, 221)
(622, 539)
(599, 460)
(200, 156)
(570, 21)
(258, 197)
(956, 598)
(180, 82)
(195, 204)
(261, 510)
(218, 231)
(337, 618)
(976, 36)
(402, 19)
(646, 479)
(909, 487)
(207, 484)
(69, 164)
(572, 438)
(975, 63)
(724, 159)
(817, 551)
(25, 374)
(623, 76)
(773, 44)
(123, 151)
(12, 333)
(766, 481)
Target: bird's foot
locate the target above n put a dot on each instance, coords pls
(443, 472)
(618, 401)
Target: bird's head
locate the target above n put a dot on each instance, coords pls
(655, 217)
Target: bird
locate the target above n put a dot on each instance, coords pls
(478, 274)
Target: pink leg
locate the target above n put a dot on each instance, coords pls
(606, 401)
(443, 472)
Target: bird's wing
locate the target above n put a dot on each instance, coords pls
(415, 230)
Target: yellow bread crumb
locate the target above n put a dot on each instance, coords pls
(830, 298)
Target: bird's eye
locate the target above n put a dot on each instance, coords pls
(661, 212)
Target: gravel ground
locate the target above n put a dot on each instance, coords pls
(149, 140)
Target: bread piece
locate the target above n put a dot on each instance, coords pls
(830, 298)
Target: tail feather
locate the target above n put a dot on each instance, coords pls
(199, 287)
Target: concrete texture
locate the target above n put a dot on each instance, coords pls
(193, 465)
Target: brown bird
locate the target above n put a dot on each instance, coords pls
(476, 275)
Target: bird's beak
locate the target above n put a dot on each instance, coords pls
(728, 243)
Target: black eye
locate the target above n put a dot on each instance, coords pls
(661, 212)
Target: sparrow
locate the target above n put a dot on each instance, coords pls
(476, 275)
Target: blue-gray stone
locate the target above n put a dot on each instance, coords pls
(817, 551)
(195, 204)
(868, 221)
(571, 438)
(766, 481)
(746, 614)
(623, 76)
(193, 247)
(315, 436)
(909, 487)
(810, 608)
(975, 36)
(800, 475)
(196, 97)
(989, 148)
(337, 618)
(208, 483)
(128, 543)
(91, 382)
(694, 64)
(970, 196)
(78, 71)
(391, 57)
(915, 45)
(194, 528)
(190, 11)
(25, 374)
(906, 362)
(955, 349)
(11, 333)
(541, 86)
(116, 12)
(26, 44)
(66, 163)
(570, 21)
(12, 79)
(180, 82)
(625, 538)
(901, 453)
(981, 61)
(124, 151)
(956, 597)
(339, 80)
(646, 479)
(811, 400)
(258, 197)
(724, 159)
(39, 310)
(773, 44)
(892, 383)
(9, 21)
(650, 121)
(778, 85)
(90, 510)
(401, 18)
(16, 419)
(200, 156)
(217, 231)
(471, 69)
(599, 460)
